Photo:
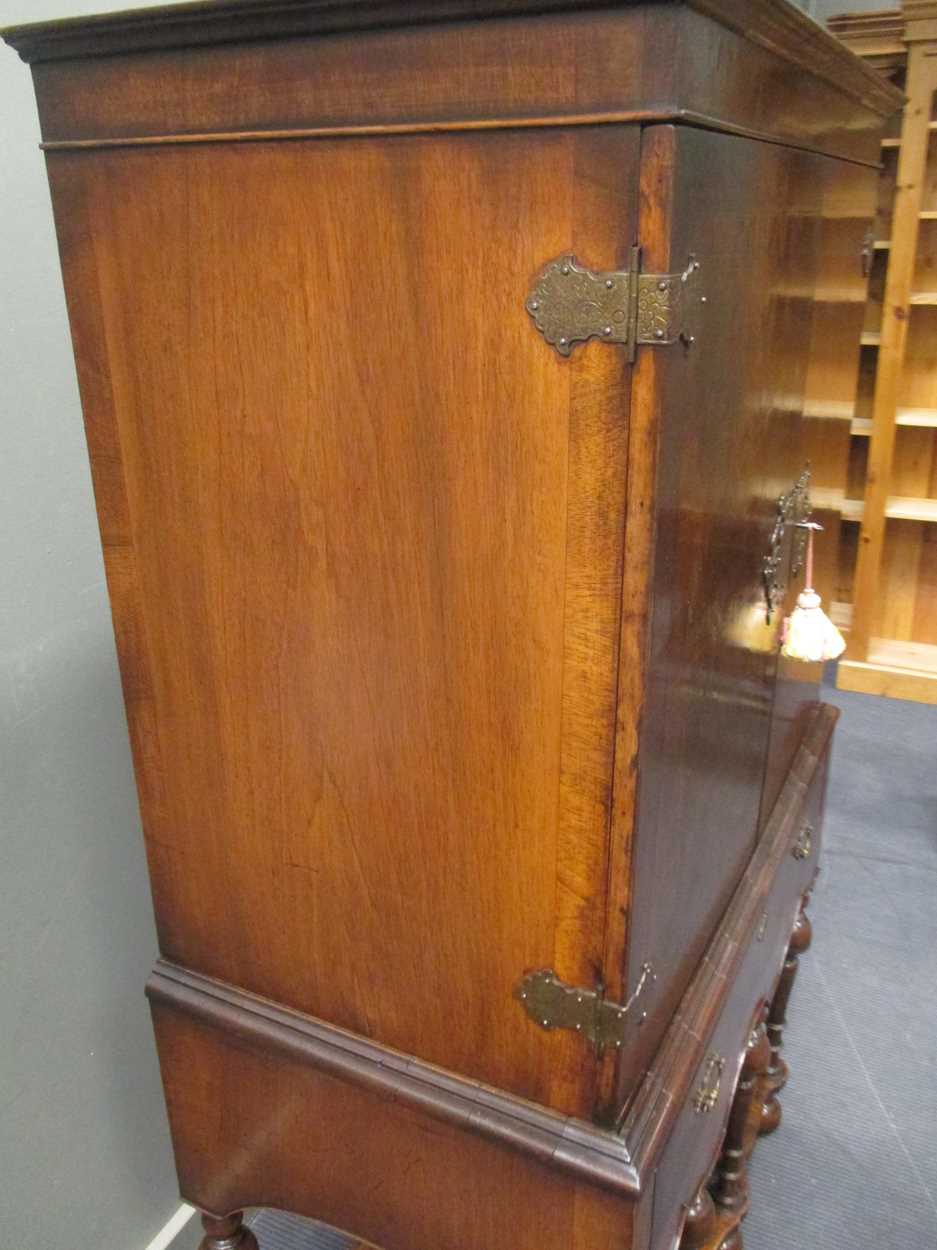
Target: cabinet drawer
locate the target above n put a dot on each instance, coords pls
(694, 1143)
(796, 871)
(693, 1147)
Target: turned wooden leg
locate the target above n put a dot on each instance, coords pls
(700, 1223)
(227, 1234)
(731, 1187)
(777, 1074)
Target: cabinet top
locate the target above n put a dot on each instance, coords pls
(773, 24)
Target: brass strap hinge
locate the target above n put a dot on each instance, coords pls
(570, 304)
(553, 1004)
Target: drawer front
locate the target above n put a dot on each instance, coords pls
(693, 1147)
(795, 874)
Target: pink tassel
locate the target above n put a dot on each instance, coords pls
(809, 634)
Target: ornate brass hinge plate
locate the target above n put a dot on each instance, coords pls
(553, 1004)
(570, 304)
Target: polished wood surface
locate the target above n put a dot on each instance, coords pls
(712, 658)
(445, 657)
(781, 76)
(294, 1138)
(338, 559)
(292, 1087)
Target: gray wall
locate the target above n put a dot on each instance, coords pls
(84, 1149)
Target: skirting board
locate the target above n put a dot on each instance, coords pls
(892, 683)
(171, 1229)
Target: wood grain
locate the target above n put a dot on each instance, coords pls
(782, 28)
(379, 605)
(444, 656)
(909, 198)
(711, 660)
(542, 67)
(296, 1139)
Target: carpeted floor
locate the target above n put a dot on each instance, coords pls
(854, 1163)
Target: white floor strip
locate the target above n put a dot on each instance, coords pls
(167, 1234)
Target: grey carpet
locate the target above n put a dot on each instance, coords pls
(854, 1163)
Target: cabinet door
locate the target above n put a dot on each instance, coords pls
(729, 445)
(364, 532)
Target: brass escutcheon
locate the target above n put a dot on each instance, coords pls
(707, 1095)
(804, 843)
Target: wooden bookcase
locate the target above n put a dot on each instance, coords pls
(884, 586)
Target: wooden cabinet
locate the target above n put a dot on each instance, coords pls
(439, 520)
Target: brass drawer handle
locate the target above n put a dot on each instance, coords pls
(707, 1095)
(804, 843)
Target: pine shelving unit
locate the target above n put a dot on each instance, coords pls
(885, 571)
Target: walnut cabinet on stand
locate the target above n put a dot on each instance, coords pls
(443, 371)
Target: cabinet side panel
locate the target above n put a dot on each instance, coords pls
(250, 1129)
(364, 534)
(730, 444)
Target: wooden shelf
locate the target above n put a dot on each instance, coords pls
(894, 141)
(885, 565)
(898, 508)
(921, 418)
(841, 615)
(902, 507)
(828, 409)
(926, 417)
(837, 295)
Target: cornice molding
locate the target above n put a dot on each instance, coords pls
(774, 24)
